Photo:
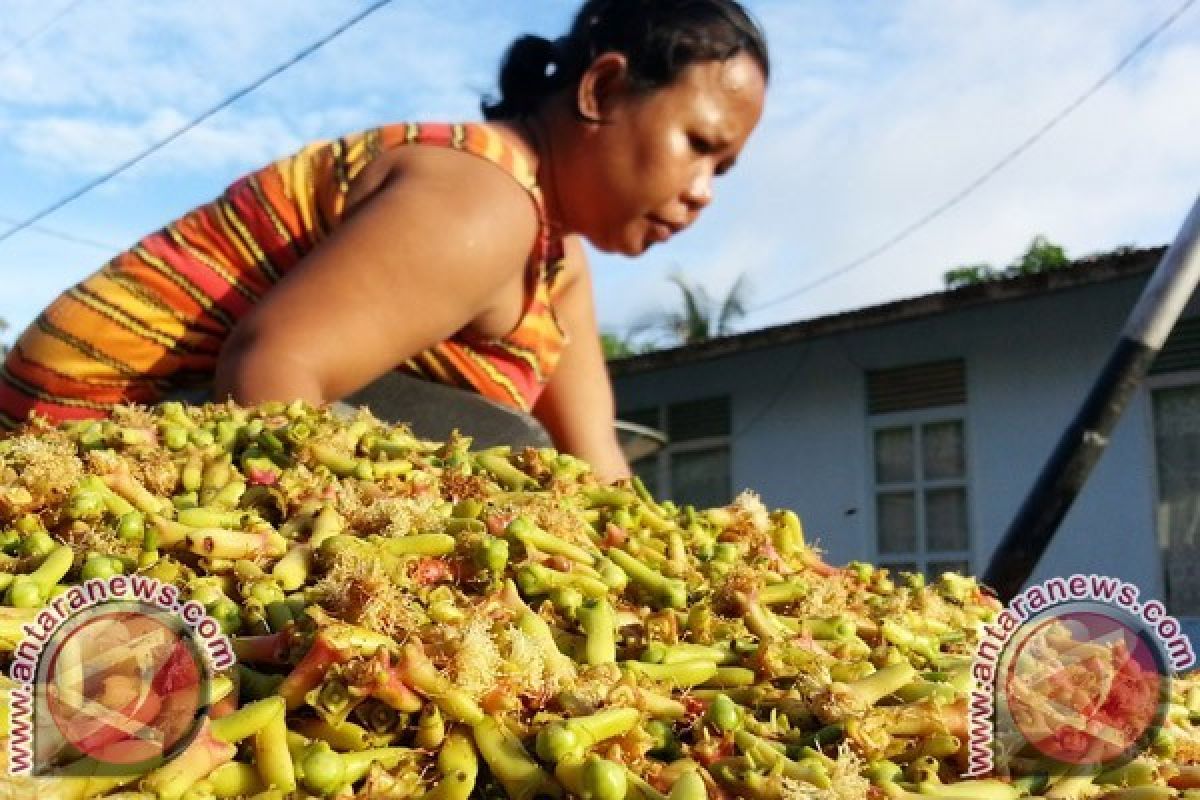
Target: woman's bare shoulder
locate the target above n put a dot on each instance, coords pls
(472, 183)
(420, 256)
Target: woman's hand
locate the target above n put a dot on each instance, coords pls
(417, 259)
(577, 406)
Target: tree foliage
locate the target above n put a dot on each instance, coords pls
(698, 318)
(1042, 255)
(617, 346)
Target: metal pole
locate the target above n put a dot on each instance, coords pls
(1081, 445)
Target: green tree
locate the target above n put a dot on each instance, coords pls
(616, 346)
(969, 274)
(630, 343)
(1042, 255)
(700, 317)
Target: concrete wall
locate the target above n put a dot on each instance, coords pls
(800, 431)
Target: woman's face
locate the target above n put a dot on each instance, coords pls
(647, 171)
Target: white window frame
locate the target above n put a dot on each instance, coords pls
(1165, 380)
(915, 419)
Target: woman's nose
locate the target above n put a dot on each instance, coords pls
(700, 191)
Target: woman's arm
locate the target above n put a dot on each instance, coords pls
(418, 259)
(577, 406)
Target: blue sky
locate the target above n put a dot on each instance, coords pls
(878, 112)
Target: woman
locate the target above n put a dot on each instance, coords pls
(452, 253)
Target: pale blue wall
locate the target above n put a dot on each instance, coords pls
(1028, 364)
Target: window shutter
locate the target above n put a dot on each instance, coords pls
(698, 419)
(937, 383)
(1182, 349)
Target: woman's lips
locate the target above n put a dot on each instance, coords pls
(661, 229)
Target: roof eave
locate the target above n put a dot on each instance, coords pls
(1083, 272)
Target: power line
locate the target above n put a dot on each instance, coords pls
(795, 370)
(970, 188)
(227, 101)
(53, 233)
(29, 37)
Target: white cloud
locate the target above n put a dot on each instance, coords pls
(109, 78)
(107, 92)
(964, 83)
(877, 113)
(94, 146)
(125, 55)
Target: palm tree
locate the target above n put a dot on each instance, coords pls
(701, 318)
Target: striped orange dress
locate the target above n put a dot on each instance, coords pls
(154, 318)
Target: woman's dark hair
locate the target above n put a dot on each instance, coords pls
(658, 37)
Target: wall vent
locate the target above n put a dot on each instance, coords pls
(698, 419)
(937, 383)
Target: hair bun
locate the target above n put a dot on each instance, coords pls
(659, 39)
(528, 74)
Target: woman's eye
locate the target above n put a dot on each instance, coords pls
(701, 145)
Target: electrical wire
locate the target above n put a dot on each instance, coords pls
(16, 46)
(802, 357)
(175, 134)
(54, 233)
(987, 175)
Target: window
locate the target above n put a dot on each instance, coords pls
(1176, 412)
(921, 496)
(919, 458)
(694, 468)
(1175, 407)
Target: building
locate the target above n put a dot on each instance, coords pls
(908, 434)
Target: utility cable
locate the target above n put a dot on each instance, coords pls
(175, 134)
(53, 233)
(45, 26)
(1008, 158)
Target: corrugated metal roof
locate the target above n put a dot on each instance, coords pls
(1084, 272)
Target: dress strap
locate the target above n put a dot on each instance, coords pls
(477, 138)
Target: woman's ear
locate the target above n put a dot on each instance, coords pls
(599, 87)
